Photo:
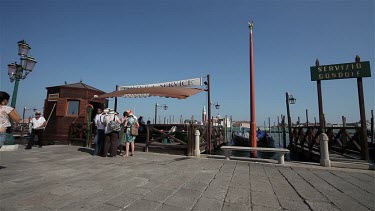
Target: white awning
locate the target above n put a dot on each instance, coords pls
(168, 92)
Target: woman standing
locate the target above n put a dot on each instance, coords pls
(122, 133)
(129, 138)
(6, 113)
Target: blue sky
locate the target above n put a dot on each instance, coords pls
(104, 43)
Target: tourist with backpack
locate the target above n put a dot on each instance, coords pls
(132, 126)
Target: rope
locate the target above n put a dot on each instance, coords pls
(49, 117)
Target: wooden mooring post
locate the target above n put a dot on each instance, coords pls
(284, 131)
(372, 126)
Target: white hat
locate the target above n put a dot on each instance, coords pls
(107, 110)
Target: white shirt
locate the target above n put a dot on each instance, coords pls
(99, 119)
(4, 116)
(37, 122)
(107, 119)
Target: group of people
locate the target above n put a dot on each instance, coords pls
(9, 114)
(109, 140)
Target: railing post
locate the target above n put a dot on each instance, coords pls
(197, 150)
(324, 154)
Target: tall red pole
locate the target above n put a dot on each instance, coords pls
(252, 137)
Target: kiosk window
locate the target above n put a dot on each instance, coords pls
(73, 107)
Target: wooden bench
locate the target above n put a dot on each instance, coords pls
(280, 152)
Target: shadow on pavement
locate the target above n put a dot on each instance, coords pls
(87, 150)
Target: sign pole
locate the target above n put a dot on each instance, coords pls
(252, 137)
(320, 101)
(364, 144)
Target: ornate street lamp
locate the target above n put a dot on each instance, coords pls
(289, 100)
(164, 106)
(217, 106)
(20, 71)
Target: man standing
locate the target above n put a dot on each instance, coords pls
(37, 124)
(99, 119)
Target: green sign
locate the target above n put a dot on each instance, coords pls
(340, 71)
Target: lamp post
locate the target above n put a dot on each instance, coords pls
(208, 90)
(20, 71)
(164, 106)
(24, 111)
(289, 100)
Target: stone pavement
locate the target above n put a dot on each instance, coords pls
(69, 178)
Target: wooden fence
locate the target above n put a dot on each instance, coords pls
(345, 139)
(180, 137)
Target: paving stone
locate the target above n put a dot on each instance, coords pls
(186, 203)
(208, 204)
(296, 205)
(143, 205)
(188, 193)
(240, 196)
(261, 185)
(223, 176)
(184, 198)
(215, 193)
(89, 201)
(220, 183)
(193, 185)
(37, 199)
(166, 207)
(62, 190)
(123, 200)
(265, 199)
(240, 181)
(343, 201)
(322, 206)
(235, 207)
(105, 207)
(261, 208)
(139, 191)
(37, 208)
(347, 176)
(159, 195)
(205, 178)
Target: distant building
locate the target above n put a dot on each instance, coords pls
(241, 124)
(204, 114)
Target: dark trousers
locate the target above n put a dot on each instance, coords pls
(110, 144)
(99, 147)
(34, 133)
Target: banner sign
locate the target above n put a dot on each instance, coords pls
(340, 71)
(53, 97)
(181, 83)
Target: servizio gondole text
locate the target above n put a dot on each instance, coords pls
(340, 71)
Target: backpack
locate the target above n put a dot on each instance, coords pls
(114, 125)
(134, 130)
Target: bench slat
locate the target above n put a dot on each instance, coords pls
(254, 149)
(280, 152)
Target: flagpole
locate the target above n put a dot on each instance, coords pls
(252, 137)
